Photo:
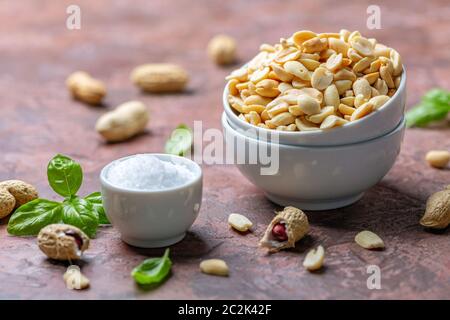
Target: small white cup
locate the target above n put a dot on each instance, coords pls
(153, 219)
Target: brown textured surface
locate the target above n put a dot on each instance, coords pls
(38, 119)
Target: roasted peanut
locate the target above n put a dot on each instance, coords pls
(222, 49)
(162, 77)
(369, 240)
(215, 267)
(85, 88)
(438, 158)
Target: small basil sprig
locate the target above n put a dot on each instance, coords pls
(65, 177)
(152, 271)
(180, 141)
(434, 106)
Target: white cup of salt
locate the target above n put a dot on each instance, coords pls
(152, 199)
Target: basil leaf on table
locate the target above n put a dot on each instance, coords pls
(64, 175)
(153, 270)
(97, 205)
(434, 106)
(31, 217)
(180, 141)
(80, 213)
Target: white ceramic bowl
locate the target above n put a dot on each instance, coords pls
(374, 125)
(151, 219)
(317, 178)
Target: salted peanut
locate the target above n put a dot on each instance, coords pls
(397, 81)
(232, 87)
(281, 128)
(282, 119)
(346, 62)
(314, 45)
(266, 47)
(372, 77)
(236, 103)
(353, 55)
(242, 117)
(362, 86)
(257, 62)
(255, 99)
(296, 111)
(347, 117)
(381, 50)
(438, 158)
(374, 67)
(362, 46)
(397, 62)
(264, 116)
(304, 125)
(348, 101)
(362, 111)
(308, 105)
(349, 93)
(325, 54)
(241, 85)
(359, 100)
(297, 69)
(344, 34)
(353, 35)
(260, 74)
(332, 121)
(222, 49)
(344, 74)
(369, 240)
(277, 109)
(85, 88)
(334, 62)
(329, 35)
(246, 93)
(262, 125)
(288, 227)
(391, 92)
(313, 93)
(252, 108)
(343, 85)
(311, 56)
(346, 110)
(283, 87)
(269, 124)
(378, 101)
(321, 78)
(387, 63)
(289, 98)
(301, 36)
(281, 73)
(386, 76)
(437, 212)
(338, 46)
(314, 259)
(291, 127)
(160, 77)
(331, 96)
(363, 64)
(374, 92)
(267, 88)
(214, 267)
(239, 222)
(310, 64)
(381, 86)
(319, 117)
(288, 55)
(273, 75)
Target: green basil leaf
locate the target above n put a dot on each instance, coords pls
(152, 271)
(64, 175)
(180, 141)
(426, 113)
(31, 217)
(80, 213)
(438, 96)
(96, 200)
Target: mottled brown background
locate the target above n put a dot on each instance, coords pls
(39, 119)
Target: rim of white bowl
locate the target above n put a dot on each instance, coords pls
(398, 128)
(226, 104)
(104, 175)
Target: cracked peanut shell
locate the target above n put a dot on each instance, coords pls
(297, 226)
(62, 242)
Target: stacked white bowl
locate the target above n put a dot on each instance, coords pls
(323, 169)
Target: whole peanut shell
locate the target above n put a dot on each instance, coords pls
(13, 194)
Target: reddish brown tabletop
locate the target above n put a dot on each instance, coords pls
(38, 119)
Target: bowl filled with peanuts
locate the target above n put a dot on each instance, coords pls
(329, 106)
(318, 90)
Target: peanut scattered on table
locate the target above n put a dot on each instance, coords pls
(369, 240)
(160, 77)
(215, 267)
(297, 81)
(437, 212)
(85, 88)
(239, 222)
(74, 279)
(222, 49)
(13, 194)
(438, 158)
(314, 259)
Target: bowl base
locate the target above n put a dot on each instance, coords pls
(140, 243)
(317, 205)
